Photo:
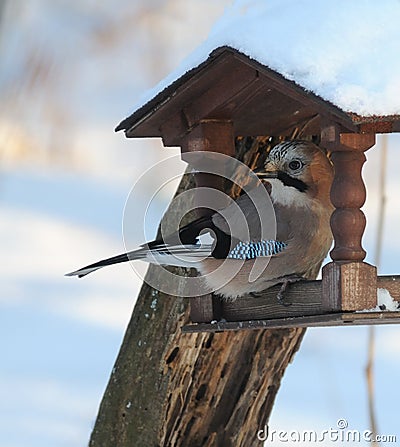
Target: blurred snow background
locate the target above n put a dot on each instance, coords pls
(70, 71)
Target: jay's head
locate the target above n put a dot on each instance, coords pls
(298, 171)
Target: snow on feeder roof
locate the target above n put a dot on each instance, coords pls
(338, 59)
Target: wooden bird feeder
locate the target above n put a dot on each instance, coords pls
(232, 95)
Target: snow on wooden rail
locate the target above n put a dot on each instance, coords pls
(307, 306)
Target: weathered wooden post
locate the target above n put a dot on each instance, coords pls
(192, 387)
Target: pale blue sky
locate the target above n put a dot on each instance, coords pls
(64, 180)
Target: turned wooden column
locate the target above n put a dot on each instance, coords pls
(208, 136)
(348, 283)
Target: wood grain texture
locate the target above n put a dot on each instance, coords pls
(231, 85)
(251, 313)
(222, 386)
(327, 320)
(391, 283)
(131, 408)
(170, 389)
(309, 298)
(302, 298)
(348, 192)
(349, 286)
(205, 308)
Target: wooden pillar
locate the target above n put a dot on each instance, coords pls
(208, 136)
(348, 283)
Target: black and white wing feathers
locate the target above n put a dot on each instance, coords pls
(187, 247)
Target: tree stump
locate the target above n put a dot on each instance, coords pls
(168, 388)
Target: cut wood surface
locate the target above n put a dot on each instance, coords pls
(302, 299)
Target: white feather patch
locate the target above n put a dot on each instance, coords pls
(179, 256)
(287, 195)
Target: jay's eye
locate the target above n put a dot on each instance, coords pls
(295, 165)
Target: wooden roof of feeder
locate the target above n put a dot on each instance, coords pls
(258, 100)
(229, 87)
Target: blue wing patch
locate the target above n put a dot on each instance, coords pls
(253, 250)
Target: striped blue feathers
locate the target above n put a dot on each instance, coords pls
(253, 250)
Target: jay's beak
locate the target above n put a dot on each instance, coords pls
(262, 174)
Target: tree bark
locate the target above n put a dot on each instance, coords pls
(174, 389)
